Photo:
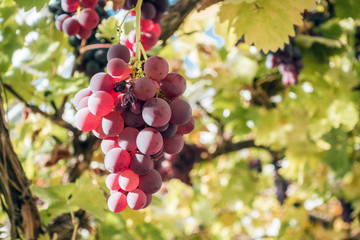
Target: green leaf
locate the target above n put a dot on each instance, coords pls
(267, 24)
(27, 5)
(107, 28)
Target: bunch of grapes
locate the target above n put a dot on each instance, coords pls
(80, 25)
(140, 116)
(289, 63)
(150, 33)
(150, 9)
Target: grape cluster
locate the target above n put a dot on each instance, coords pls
(150, 33)
(289, 63)
(72, 24)
(150, 9)
(139, 118)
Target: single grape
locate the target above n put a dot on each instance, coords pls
(112, 124)
(174, 144)
(85, 92)
(88, 18)
(148, 40)
(132, 119)
(156, 112)
(116, 67)
(117, 160)
(156, 68)
(187, 127)
(85, 121)
(69, 7)
(136, 199)
(117, 202)
(151, 182)
(170, 131)
(148, 10)
(102, 82)
(144, 88)
(109, 143)
(161, 5)
(89, 3)
(60, 20)
(141, 164)
(149, 141)
(83, 103)
(70, 26)
(127, 139)
(148, 200)
(119, 51)
(128, 180)
(180, 112)
(156, 28)
(83, 33)
(112, 181)
(100, 103)
(173, 85)
(100, 55)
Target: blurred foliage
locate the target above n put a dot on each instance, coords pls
(313, 126)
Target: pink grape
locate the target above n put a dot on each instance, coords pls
(180, 112)
(127, 138)
(69, 7)
(71, 26)
(108, 144)
(156, 68)
(149, 39)
(174, 144)
(117, 160)
(173, 85)
(133, 120)
(170, 131)
(156, 28)
(118, 51)
(100, 103)
(187, 127)
(112, 124)
(99, 133)
(88, 18)
(60, 20)
(149, 141)
(136, 107)
(80, 95)
(148, 200)
(112, 181)
(117, 202)
(83, 103)
(156, 112)
(102, 82)
(86, 121)
(151, 182)
(136, 199)
(145, 25)
(144, 88)
(88, 3)
(128, 180)
(141, 164)
(116, 67)
(83, 33)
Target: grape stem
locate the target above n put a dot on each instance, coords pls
(138, 33)
(123, 21)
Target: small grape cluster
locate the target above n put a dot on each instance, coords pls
(150, 33)
(150, 9)
(80, 25)
(289, 63)
(139, 118)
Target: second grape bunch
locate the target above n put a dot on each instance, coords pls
(140, 117)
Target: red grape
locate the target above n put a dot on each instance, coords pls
(118, 51)
(102, 82)
(156, 68)
(112, 124)
(88, 18)
(86, 121)
(173, 85)
(144, 88)
(128, 180)
(149, 141)
(180, 112)
(151, 182)
(108, 144)
(156, 112)
(141, 164)
(112, 181)
(70, 26)
(136, 199)
(117, 202)
(100, 103)
(127, 138)
(117, 160)
(174, 144)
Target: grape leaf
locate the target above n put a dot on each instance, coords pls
(347, 8)
(27, 5)
(265, 23)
